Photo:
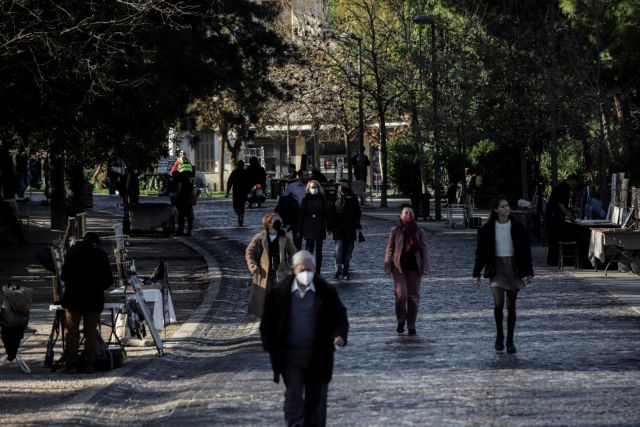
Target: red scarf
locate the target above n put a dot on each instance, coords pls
(409, 231)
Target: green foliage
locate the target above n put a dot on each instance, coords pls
(404, 164)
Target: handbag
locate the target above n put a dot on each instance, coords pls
(360, 236)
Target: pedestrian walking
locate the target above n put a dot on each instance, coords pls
(268, 256)
(304, 320)
(86, 274)
(312, 221)
(185, 198)
(289, 205)
(238, 182)
(343, 223)
(556, 214)
(504, 252)
(406, 258)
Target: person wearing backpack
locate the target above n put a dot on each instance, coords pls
(184, 200)
(86, 274)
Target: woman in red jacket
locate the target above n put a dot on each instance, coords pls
(504, 252)
(407, 259)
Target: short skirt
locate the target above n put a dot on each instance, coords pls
(506, 277)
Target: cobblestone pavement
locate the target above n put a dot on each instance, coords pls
(577, 362)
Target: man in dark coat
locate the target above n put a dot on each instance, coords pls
(239, 182)
(86, 274)
(185, 198)
(257, 174)
(302, 323)
(344, 222)
(555, 215)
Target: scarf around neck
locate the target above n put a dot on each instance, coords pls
(410, 233)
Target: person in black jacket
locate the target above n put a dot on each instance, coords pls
(302, 323)
(344, 222)
(504, 252)
(312, 221)
(86, 274)
(239, 182)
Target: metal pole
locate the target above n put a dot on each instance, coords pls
(288, 141)
(436, 130)
(360, 98)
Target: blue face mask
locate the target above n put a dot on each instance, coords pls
(313, 190)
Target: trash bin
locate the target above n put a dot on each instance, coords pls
(420, 204)
(276, 188)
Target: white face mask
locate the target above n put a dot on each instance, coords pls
(313, 190)
(304, 277)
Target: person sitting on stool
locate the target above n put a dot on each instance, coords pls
(86, 274)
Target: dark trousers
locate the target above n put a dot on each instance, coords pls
(90, 321)
(11, 338)
(305, 402)
(315, 246)
(185, 211)
(343, 252)
(407, 286)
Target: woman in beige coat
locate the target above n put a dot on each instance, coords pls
(407, 259)
(268, 258)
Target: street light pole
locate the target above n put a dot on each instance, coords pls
(360, 101)
(424, 19)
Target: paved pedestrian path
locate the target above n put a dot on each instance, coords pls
(577, 362)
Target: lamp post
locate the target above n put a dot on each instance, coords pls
(348, 35)
(424, 19)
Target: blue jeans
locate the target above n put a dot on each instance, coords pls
(343, 251)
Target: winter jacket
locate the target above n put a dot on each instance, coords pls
(312, 219)
(257, 259)
(395, 246)
(331, 321)
(345, 224)
(486, 250)
(86, 274)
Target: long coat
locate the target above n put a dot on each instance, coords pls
(394, 249)
(257, 257)
(312, 220)
(331, 321)
(486, 250)
(345, 224)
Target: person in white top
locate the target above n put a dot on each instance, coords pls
(504, 252)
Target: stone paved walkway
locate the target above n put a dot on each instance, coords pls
(577, 364)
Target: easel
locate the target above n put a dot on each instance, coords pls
(127, 276)
(76, 228)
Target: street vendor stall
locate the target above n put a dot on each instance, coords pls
(147, 216)
(620, 242)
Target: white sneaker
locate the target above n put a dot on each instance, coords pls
(23, 365)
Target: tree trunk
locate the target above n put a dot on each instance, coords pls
(415, 125)
(58, 207)
(223, 141)
(383, 156)
(553, 97)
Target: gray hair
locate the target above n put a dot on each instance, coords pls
(301, 256)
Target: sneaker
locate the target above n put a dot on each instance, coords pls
(499, 345)
(23, 365)
(511, 348)
(346, 276)
(412, 332)
(338, 274)
(400, 328)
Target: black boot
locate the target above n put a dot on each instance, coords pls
(511, 326)
(497, 314)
